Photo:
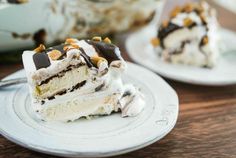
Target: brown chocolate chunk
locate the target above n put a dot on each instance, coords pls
(41, 60)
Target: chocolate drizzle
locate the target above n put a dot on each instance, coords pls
(180, 50)
(106, 50)
(86, 58)
(163, 32)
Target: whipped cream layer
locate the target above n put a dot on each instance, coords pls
(78, 79)
(189, 36)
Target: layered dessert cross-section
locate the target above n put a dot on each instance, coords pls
(189, 36)
(79, 78)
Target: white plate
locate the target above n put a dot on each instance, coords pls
(227, 4)
(102, 136)
(224, 73)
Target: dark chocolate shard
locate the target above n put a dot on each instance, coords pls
(106, 50)
(165, 31)
(41, 60)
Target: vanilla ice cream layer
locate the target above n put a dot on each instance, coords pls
(64, 83)
(81, 106)
(75, 105)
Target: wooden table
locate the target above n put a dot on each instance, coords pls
(206, 126)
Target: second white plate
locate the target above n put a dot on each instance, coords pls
(140, 50)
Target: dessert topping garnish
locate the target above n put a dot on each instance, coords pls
(96, 60)
(97, 38)
(40, 48)
(155, 42)
(76, 46)
(205, 40)
(107, 40)
(71, 46)
(175, 11)
(165, 23)
(187, 22)
(70, 41)
(54, 54)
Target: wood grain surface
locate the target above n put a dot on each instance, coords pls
(206, 126)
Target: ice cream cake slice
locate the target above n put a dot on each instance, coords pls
(189, 36)
(79, 78)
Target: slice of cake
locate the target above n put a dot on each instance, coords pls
(189, 36)
(79, 78)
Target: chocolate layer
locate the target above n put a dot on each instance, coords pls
(77, 86)
(86, 58)
(98, 88)
(165, 31)
(106, 50)
(60, 74)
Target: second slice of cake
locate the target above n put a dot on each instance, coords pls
(189, 36)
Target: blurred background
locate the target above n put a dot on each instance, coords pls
(27, 23)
